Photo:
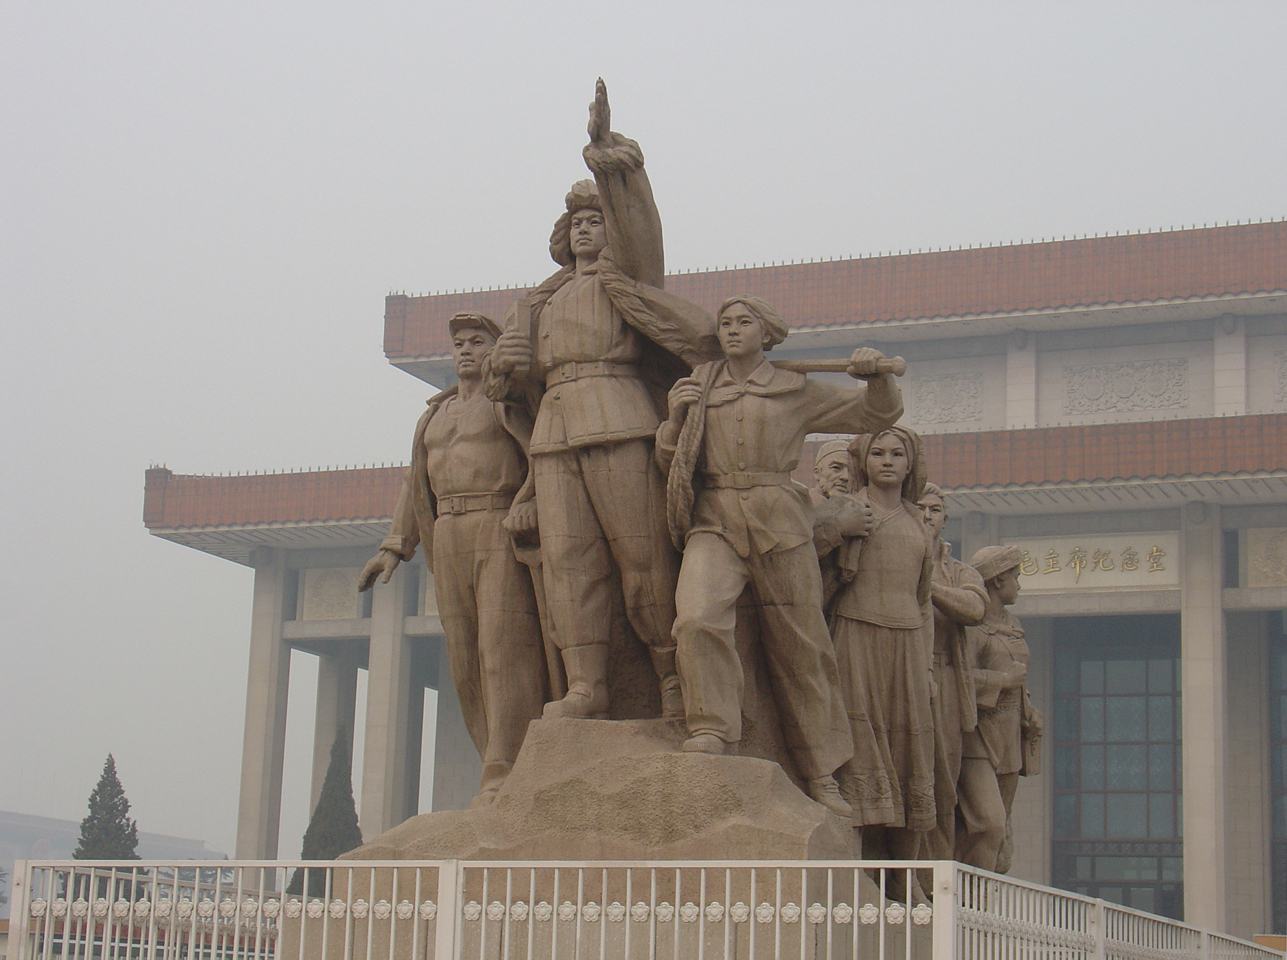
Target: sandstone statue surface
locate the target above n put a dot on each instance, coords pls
(614, 472)
(465, 488)
(959, 601)
(733, 435)
(881, 623)
(592, 351)
(1006, 741)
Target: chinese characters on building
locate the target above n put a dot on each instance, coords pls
(1099, 561)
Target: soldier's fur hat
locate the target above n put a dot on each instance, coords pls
(584, 195)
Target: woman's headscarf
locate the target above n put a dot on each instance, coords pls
(775, 328)
(913, 483)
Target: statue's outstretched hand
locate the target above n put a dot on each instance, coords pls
(600, 114)
(384, 562)
(513, 351)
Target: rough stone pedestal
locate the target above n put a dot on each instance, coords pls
(622, 790)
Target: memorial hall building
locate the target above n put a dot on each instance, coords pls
(1115, 406)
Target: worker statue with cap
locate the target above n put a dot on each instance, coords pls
(463, 495)
(1006, 741)
(594, 350)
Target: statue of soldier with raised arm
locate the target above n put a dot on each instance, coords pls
(596, 352)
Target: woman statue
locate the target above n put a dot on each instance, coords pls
(883, 629)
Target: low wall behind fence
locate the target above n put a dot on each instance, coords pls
(525, 910)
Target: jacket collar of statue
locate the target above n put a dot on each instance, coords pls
(438, 399)
(945, 552)
(766, 380)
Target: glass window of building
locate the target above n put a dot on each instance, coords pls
(1117, 817)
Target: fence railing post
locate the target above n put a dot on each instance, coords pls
(945, 910)
(19, 910)
(1098, 929)
(449, 886)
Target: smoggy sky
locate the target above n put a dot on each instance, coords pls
(204, 205)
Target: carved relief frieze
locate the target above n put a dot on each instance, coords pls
(1127, 386)
(1280, 382)
(1267, 557)
(330, 593)
(948, 398)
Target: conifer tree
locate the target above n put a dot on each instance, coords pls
(333, 830)
(107, 832)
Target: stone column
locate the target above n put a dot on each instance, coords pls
(267, 685)
(1248, 833)
(336, 708)
(1202, 701)
(1021, 380)
(385, 787)
(457, 768)
(1229, 369)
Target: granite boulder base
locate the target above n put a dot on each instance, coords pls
(621, 790)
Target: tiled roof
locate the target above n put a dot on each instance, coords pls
(175, 501)
(1099, 452)
(1175, 264)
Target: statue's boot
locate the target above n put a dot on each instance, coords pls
(587, 696)
(826, 791)
(672, 697)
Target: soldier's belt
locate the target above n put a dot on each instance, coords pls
(744, 481)
(575, 370)
(470, 502)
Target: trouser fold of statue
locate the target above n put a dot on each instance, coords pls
(801, 665)
(602, 510)
(489, 616)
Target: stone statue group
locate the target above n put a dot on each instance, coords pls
(616, 450)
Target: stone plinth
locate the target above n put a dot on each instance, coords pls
(622, 790)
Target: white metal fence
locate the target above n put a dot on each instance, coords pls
(466, 910)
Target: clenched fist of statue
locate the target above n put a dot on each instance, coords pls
(862, 363)
(854, 518)
(1015, 674)
(521, 521)
(683, 395)
(513, 351)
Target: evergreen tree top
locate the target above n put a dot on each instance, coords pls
(107, 832)
(333, 830)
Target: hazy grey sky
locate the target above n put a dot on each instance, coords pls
(204, 205)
